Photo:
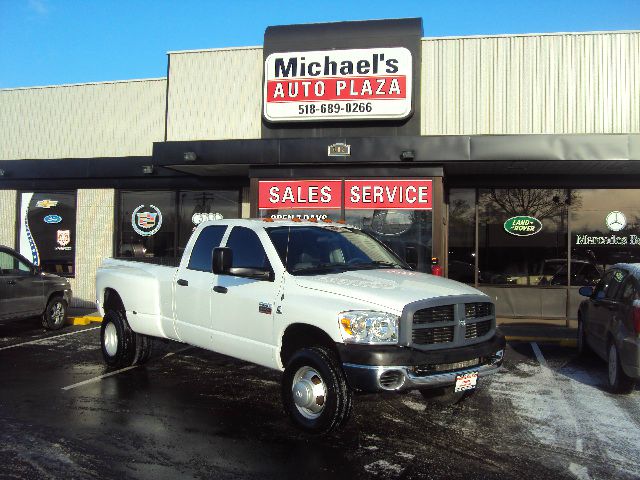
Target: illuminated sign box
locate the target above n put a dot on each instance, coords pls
(414, 194)
(300, 194)
(360, 84)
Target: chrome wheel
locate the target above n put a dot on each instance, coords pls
(110, 339)
(309, 392)
(56, 313)
(613, 365)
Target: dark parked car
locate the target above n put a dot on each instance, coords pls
(26, 292)
(609, 324)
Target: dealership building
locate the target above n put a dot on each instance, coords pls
(514, 160)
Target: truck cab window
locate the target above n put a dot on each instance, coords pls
(209, 239)
(247, 249)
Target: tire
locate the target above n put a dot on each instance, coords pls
(144, 348)
(324, 400)
(583, 347)
(619, 382)
(445, 396)
(55, 314)
(117, 340)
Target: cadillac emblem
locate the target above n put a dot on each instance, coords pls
(146, 222)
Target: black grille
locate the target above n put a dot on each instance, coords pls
(477, 310)
(477, 329)
(429, 336)
(443, 313)
(422, 370)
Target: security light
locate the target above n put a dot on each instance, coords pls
(190, 156)
(407, 155)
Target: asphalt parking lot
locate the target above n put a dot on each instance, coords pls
(190, 413)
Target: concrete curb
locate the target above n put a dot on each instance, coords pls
(84, 320)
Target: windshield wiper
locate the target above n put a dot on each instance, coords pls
(373, 264)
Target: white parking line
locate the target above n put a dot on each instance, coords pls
(579, 471)
(95, 379)
(47, 338)
(536, 349)
(115, 372)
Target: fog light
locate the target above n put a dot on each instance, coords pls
(391, 379)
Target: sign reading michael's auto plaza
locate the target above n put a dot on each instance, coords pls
(361, 84)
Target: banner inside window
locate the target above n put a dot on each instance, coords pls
(47, 231)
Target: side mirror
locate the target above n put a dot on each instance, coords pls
(221, 260)
(586, 291)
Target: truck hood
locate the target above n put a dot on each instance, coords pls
(388, 288)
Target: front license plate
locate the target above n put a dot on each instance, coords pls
(466, 381)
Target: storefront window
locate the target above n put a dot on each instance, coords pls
(156, 225)
(47, 232)
(402, 221)
(147, 225)
(198, 207)
(605, 229)
(522, 236)
(462, 231)
(406, 232)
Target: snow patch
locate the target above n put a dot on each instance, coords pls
(383, 468)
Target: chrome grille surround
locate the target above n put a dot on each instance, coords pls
(447, 322)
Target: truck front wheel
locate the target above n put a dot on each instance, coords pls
(117, 340)
(315, 393)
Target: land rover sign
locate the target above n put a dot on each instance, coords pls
(359, 84)
(522, 226)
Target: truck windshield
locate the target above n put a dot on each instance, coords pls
(312, 250)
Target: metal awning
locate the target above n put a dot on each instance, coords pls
(458, 155)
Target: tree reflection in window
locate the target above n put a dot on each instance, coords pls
(509, 259)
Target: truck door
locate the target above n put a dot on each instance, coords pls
(243, 307)
(194, 289)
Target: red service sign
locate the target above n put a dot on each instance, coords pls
(388, 194)
(300, 194)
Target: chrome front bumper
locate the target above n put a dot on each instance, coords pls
(373, 378)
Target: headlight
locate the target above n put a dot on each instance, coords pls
(361, 326)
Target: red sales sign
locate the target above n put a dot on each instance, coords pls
(300, 194)
(388, 194)
(412, 194)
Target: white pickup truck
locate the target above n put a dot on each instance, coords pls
(327, 304)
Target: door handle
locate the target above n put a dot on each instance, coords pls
(183, 283)
(11, 282)
(220, 289)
